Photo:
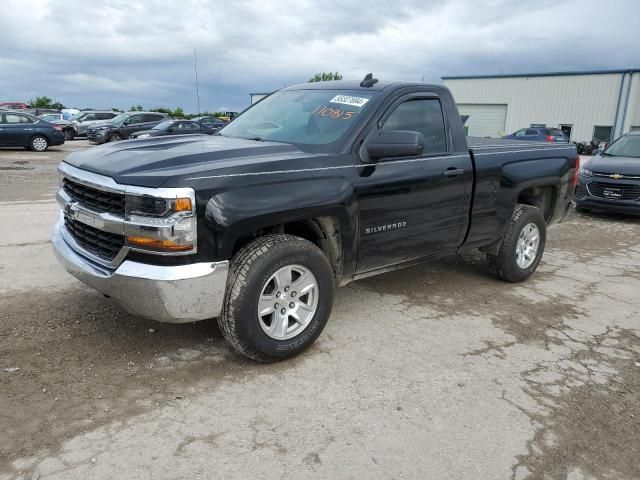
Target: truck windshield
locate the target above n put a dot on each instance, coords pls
(302, 117)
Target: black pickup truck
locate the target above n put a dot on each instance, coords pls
(313, 187)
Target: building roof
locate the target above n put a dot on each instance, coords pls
(543, 74)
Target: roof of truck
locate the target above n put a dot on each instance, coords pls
(355, 85)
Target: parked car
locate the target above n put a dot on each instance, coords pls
(258, 224)
(174, 127)
(83, 120)
(551, 135)
(51, 117)
(122, 126)
(213, 122)
(610, 181)
(14, 106)
(19, 129)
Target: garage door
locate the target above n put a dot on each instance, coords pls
(485, 120)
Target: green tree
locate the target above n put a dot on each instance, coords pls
(325, 77)
(45, 102)
(136, 108)
(178, 113)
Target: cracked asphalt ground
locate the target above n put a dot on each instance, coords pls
(438, 371)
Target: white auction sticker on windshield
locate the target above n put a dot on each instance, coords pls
(348, 100)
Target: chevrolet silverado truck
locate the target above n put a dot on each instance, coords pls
(311, 188)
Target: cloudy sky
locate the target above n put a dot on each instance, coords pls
(116, 53)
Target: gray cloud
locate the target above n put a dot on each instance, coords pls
(116, 53)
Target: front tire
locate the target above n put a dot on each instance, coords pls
(38, 143)
(278, 299)
(522, 245)
(115, 137)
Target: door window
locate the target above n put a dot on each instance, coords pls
(14, 118)
(520, 133)
(148, 118)
(531, 131)
(133, 119)
(422, 115)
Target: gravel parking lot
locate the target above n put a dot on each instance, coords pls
(438, 371)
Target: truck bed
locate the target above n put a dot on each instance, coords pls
(502, 167)
(479, 145)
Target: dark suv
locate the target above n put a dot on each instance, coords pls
(122, 126)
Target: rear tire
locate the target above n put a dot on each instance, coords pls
(115, 137)
(69, 134)
(522, 245)
(256, 282)
(38, 143)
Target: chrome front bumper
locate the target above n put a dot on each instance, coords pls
(174, 294)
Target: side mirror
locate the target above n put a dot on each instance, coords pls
(396, 143)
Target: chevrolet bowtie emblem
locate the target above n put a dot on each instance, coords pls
(71, 210)
(617, 176)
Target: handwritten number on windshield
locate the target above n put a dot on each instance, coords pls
(334, 113)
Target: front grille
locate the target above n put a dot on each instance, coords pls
(97, 200)
(102, 244)
(629, 191)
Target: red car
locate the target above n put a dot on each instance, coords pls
(14, 105)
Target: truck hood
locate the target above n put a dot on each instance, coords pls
(150, 162)
(611, 165)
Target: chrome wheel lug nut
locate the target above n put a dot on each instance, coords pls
(276, 305)
(293, 294)
(283, 311)
(278, 294)
(292, 305)
(286, 289)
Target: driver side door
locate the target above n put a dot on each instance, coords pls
(413, 207)
(133, 124)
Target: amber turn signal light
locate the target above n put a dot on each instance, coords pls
(183, 205)
(167, 245)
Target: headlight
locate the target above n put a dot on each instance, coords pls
(164, 224)
(144, 135)
(585, 172)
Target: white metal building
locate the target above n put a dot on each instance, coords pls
(598, 105)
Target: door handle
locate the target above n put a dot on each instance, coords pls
(453, 172)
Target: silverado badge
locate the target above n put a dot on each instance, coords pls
(617, 176)
(384, 228)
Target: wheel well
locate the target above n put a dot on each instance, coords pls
(321, 231)
(543, 198)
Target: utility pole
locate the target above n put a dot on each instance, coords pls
(195, 69)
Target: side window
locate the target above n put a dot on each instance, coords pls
(14, 118)
(133, 119)
(193, 126)
(90, 117)
(104, 116)
(531, 131)
(520, 133)
(150, 117)
(424, 116)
